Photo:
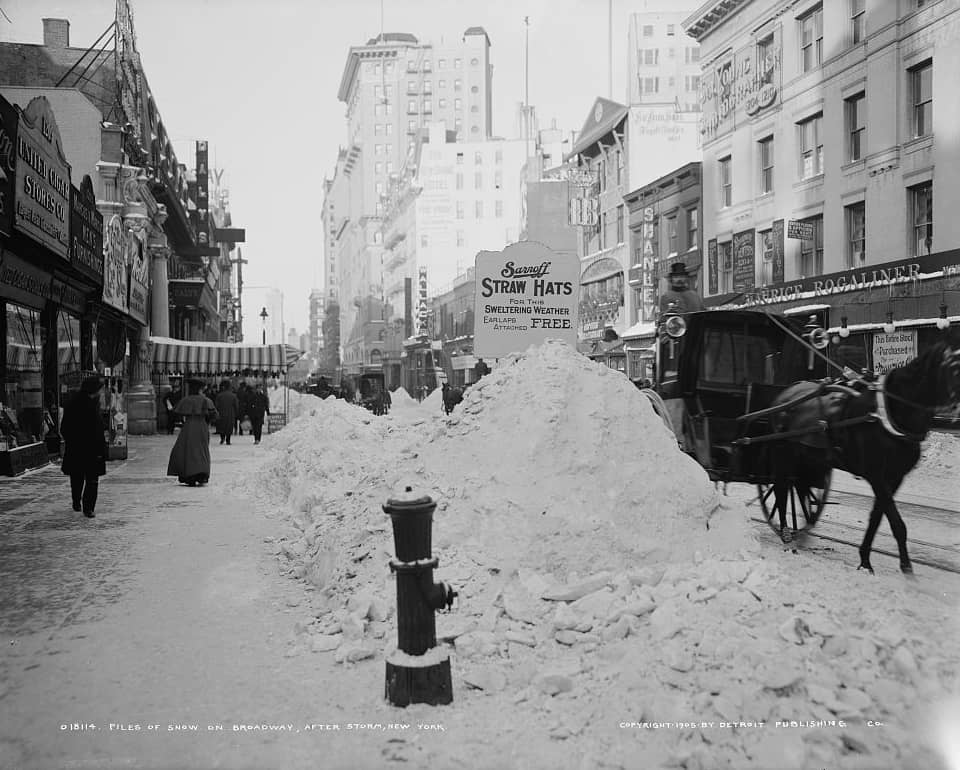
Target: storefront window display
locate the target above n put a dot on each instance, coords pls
(22, 418)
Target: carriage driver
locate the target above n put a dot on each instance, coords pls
(679, 298)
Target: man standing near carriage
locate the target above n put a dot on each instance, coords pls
(680, 298)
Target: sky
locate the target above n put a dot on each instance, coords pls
(259, 80)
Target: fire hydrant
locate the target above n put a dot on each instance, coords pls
(417, 672)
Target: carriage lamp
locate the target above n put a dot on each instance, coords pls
(888, 327)
(943, 322)
(844, 332)
(675, 326)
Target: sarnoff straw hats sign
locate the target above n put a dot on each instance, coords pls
(525, 294)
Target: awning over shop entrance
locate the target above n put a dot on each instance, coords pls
(172, 356)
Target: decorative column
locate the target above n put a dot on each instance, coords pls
(159, 253)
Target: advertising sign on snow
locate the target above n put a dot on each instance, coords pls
(525, 294)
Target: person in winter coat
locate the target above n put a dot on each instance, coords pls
(244, 392)
(258, 405)
(85, 451)
(228, 407)
(190, 456)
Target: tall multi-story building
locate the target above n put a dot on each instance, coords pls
(830, 166)
(315, 332)
(392, 86)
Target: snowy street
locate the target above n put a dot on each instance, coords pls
(600, 622)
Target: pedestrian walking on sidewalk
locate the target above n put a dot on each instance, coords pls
(257, 405)
(85, 450)
(228, 407)
(190, 456)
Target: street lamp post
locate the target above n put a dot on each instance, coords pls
(263, 320)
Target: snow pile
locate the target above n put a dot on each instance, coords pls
(602, 583)
(399, 398)
(941, 454)
(298, 404)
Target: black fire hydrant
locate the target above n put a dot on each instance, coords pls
(418, 672)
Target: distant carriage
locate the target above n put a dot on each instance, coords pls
(748, 396)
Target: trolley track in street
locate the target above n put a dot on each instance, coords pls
(929, 554)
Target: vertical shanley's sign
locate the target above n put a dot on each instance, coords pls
(42, 180)
(525, 294)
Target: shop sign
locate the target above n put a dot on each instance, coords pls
(740, 86)
(893, 350)
(800, 230)
(202, 214)
(713, 278)
(744, 260)
(648, 291)
(583, 203)
(185, 294)
(68, 297)
(86, 231)
(135, 258)
(42, 208)
(837, 283)
(8, 164)
(422, 309)
(22, 282)
(778, 243)
(115, 276)
(524, 295)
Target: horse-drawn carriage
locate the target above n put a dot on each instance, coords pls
(749, 395)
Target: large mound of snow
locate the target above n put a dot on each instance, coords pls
(604, 588)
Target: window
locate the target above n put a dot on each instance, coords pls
(648, 30)
(477, 158)
(459, 180)
(441, 64)
(424, 242)
(811, 147)
(427, 106)
(691, 55)
(765, 59)
(457, 63)
(441, 83)
(620, 168)
(378, 149)
(378, 129)
(498, 209)
(442, 104)
(766, 165)
(412, 107)
(378, 110)
(460, 239)
(478, 209)
(856, 234)
(858, 21)
(650, 85)
(457, 85)
(412, 126)
(856, 125)
(389, 129)
(725, 265)
(693, 228)
(474, 108)
(474, 129)
(427, 87)
(498, 156)
(474, 62)
(671, 30)
(379, 188)
(811, 39)
(459, 209)
(691, 83)
(671, 222)
(378, 92)
(811, 251)
(478, 180)
(921, 204)
(389, 166)
(620, 224)
(766, 254)
(457, 104)
(498, 179)
(378, 167)
(726, 182)
(474, 89)
(651, 56)
(921, 89)
(459, 158)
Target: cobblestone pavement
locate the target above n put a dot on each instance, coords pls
(166, 609)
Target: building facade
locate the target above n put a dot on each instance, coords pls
(830, 166)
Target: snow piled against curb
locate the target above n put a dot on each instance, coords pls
(592, 592)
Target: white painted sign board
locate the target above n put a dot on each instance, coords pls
(893, 350)
(525, 294)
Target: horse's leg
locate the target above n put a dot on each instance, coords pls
(881, 501)
(899, 529)
(782, 457)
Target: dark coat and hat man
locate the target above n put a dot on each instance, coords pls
(680, 298)
(85, 445)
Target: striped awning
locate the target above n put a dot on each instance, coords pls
(172, 356)
(23, 358)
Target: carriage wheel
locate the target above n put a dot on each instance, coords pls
(804, 498)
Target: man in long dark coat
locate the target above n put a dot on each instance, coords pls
(85, 451)
(257, 405)
(190, 456)
(228, 407)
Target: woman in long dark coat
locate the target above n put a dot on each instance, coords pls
(85, 450)
(190, 456)
(228, 407)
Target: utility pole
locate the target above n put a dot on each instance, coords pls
(610, 44)
(526, 87)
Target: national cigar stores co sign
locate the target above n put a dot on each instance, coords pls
(525, 294)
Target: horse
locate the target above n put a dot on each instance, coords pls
(451, 397)
(873, 430)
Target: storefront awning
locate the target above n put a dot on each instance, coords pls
(172, 356)
(639, 330)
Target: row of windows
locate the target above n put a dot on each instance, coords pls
(810, 135)
(414, 106)
(478, 180)
(478, 158)
(651, 85)
(810, 31)
(425, 66)
(810, 260)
